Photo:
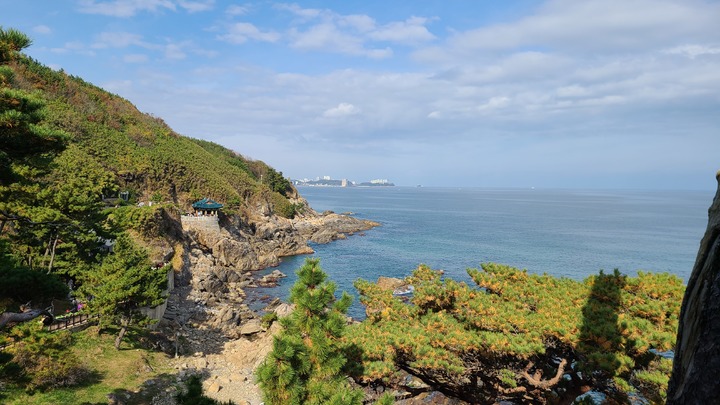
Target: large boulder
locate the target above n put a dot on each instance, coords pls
(697, 352)
(390, 283)
(251, 327)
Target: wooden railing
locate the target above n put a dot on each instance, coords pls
(70, 322)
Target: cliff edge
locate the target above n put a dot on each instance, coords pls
(697, 351)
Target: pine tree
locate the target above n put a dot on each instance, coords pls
(12, 41)
(123, 283)
(519, 335)
(306, 364)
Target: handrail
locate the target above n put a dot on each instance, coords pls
(62, 324)
(70, 322)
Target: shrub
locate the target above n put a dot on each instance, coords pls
(44, 359)
(268, 319)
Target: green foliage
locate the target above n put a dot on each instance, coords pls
(42, 360)
(282, 206)
(20, 114)
(307, 361)
(653, 381)
(517, 323)
(276, 181)
(145, 220)
(124, 282)
(268, 319)
(12, 41)
(22, 284)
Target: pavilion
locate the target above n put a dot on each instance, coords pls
(206, 207)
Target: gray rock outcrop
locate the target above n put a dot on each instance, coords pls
(697, 351)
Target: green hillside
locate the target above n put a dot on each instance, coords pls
(79, 168)
(143, 154)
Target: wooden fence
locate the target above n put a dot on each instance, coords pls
(69, 322)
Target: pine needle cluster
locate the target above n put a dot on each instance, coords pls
(307, 361)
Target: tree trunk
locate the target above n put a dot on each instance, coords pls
(696, 365)
(47, 250)
(52, 255)
(124, 323)
(17, 317)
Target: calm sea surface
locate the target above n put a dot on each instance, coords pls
(565, 233)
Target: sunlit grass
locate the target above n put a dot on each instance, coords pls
(117, 371)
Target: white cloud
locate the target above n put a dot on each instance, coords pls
(352, 34)
(117, 40)
(359, 22)
(197, 6)
(593, 26)
(693, 51)
(342, 110)
(73, 47)
(135, 58)
(239, 33)
(572, 91)
(174, 51)
(327, 37)
(235, 10)
(42, 29)
(495, 103)
(410, 31)
(308, 13)
(123, 8)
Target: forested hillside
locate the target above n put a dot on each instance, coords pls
(69, 149)
(82, 173)
(139, 151)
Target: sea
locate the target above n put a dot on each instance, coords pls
(564, 233)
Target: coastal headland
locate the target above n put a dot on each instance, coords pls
(207, 311)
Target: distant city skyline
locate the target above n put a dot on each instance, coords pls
(525, 93)
(341, 182)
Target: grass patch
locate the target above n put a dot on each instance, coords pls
(117, 371)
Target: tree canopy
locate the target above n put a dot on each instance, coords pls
(307, 361)
(520, 335)
(122, 284)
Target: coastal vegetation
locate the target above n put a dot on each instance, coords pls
(517, 335)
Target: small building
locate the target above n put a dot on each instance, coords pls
(207, 207)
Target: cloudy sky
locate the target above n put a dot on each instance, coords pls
(558, 93)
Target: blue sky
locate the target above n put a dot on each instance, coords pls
(560, 93)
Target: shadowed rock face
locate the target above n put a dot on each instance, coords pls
(697, 352)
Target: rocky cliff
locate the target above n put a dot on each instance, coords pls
(697, 352)
(208, 321)
(214, 267)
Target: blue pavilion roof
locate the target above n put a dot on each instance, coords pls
(207, 204)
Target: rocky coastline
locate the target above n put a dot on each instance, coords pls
(208, 326)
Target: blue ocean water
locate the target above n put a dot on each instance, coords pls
(565, 233)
